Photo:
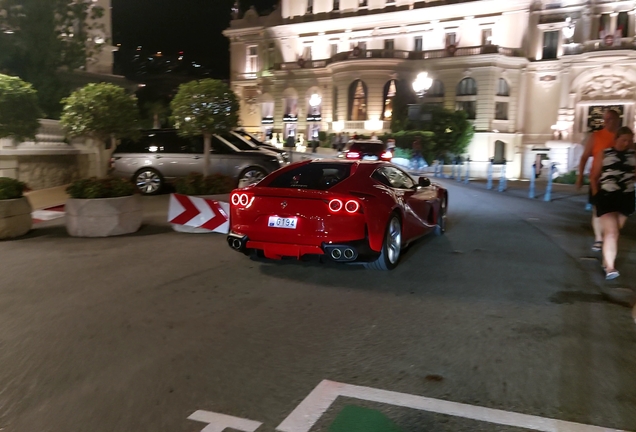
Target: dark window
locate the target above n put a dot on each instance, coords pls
(315, 176)
(363, 3)
(501, 110)
(389, 44)
(622, 24)
(418, 44)
(336, 5)
(368, 147)
(310, 6)
(604, 23)
(238, 142)
(436, 90)
(396, 178)
(500, 152)
(502, 88)
(467, 87)
(550, 44)
(469, 107)
(219, 147)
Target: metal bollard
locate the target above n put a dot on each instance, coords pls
(548, 191)
(490, 169)
(502, 178)
(533, 176)
(467, 178)
(459, 173)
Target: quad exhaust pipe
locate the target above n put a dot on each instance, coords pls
(236, 244)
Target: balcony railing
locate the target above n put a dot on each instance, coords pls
(400, 54)
(598, 45)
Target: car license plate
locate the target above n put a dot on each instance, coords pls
(280, 222)
(370, 158)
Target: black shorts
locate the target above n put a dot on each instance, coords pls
(609, 202)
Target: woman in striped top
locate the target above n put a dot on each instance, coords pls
(612, 183)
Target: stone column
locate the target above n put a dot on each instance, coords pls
(521, 104)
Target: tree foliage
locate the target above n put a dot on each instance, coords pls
(204, 107)
(452, 131)
(38, 38)
(19, 111)
(100, 111)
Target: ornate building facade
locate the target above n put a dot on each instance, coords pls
(532, 75)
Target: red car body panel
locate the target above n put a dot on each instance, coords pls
(318, 225)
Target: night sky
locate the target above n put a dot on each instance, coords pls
(170, 26)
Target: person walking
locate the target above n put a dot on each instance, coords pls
(612, 183)
(596, 143)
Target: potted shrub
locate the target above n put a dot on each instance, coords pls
(15, 209)
(103, 112)
(200, 190)
(102, 208)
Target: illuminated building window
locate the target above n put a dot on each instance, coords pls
(252, 59)
(390, 90)
(358, 101)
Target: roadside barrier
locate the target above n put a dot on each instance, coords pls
(198, 215)
(467, 177)
(548, 191)
(502, 178)
(490, 171)
(533, 176)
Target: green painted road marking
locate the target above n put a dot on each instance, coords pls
(357, 419)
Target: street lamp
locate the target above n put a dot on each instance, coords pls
(314, 102)
(422, 83)
(568, 30)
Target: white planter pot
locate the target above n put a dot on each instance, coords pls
(103, 217)
(15, 218)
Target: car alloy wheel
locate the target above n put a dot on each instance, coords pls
(391, 248)
(394, 240)
(148, 182)
(251, 176)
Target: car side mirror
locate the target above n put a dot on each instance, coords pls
(424, 182)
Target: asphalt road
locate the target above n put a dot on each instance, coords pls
(136, 333)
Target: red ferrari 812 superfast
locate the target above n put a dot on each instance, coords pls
(346, 211)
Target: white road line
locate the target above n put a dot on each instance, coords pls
(305, 416)
(219, 422)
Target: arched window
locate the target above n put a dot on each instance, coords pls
(500, 152)
(467, 87)
(501, 100)
(502, 88)
(358, 100)
(436, 90)
(466, 99)
(390, 90)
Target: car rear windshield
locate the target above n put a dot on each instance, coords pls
(314, 176)
(368, 147)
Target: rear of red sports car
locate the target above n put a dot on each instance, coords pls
(313, 208)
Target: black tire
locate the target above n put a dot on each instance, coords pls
(148, 181)
(388, 259)
(250, 175)
(440, 228)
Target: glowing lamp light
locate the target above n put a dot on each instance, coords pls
(352, 206)
(335, 205)
(315, 100)
(387, 155)
(422, 83)
(374, 125)
(568, 31)
(353, 155)
(338, 126)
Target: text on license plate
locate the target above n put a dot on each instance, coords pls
(281, 222)
(370, 158)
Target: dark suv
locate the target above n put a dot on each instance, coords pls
(367, 150)
(162, 155)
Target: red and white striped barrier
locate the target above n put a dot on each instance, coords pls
(198, 215)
